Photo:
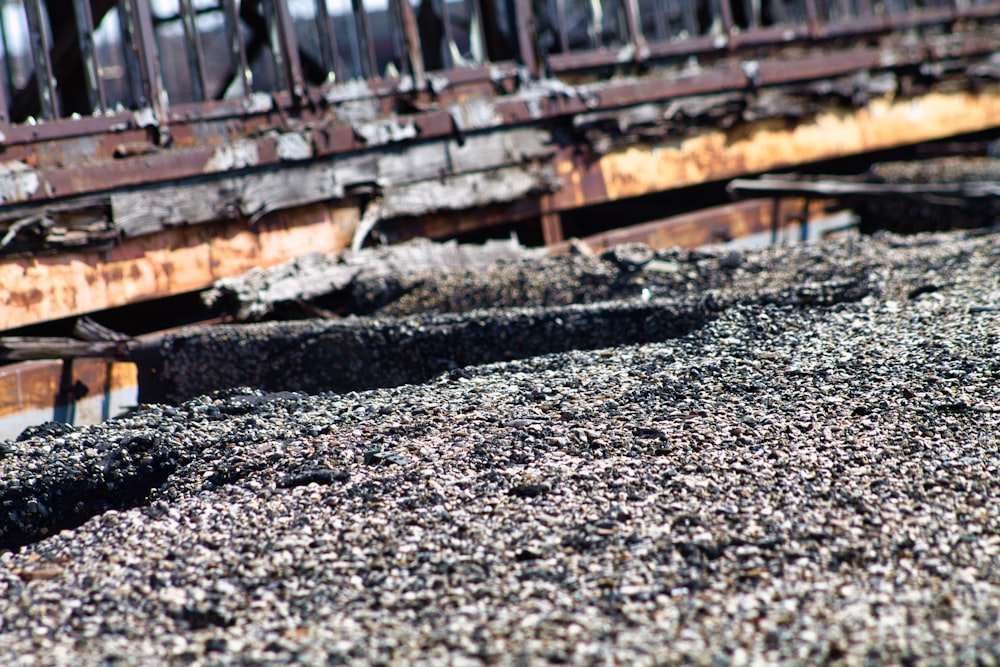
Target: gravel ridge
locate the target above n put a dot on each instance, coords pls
(797, 480)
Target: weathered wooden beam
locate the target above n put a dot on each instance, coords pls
(174, 261)
(767, 145)
(256, 294)
(24, 348)
(832, 187)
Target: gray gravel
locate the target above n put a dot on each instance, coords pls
(448, 320)
(799, 479)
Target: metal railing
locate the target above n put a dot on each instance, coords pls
(66, 59)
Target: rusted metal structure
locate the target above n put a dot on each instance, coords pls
(151, 147)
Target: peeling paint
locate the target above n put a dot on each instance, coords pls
(294, 146)
(145, 118)
(468, 191)
(438, 84)
(349, 91)
(237, 155)
(357, 111)
(388, 131)
(18, 182)
(478, 113)
(533, 92)
(257, 103)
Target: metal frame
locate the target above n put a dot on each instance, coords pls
(190, 124)
(147, 89)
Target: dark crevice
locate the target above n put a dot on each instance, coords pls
(110, 477)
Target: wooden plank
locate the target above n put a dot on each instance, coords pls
(148, 210)
(769, 145)
(24, 348)
(171, 262)
(256, 294)
(832, 187)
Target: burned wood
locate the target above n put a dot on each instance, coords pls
(87, 329)
(911, 196)
(258, 293)
(24, 348)
(91, 339)
(847, 188)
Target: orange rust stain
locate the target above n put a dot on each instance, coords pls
(177, 260)
(772, 144)
(28, 385)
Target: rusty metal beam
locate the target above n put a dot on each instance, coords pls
(769, 145)
(411, 42)
(527, 38)
(711, 225)
(944, 114)
(81, 391)
(176, 261)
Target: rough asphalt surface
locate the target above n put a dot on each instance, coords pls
(793, 480)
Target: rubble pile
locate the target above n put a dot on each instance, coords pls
(805, 474)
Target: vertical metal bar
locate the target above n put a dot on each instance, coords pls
(563, 28)
(288, 45)
(596, 23)
(476, 24)
(527, 37)
(149, 59)
(411, 42)
(133, 70)
(635, 36)
(552, 231)
(369, 64)
(327, 42)
(7, 89)
(47, 98)
(660, 27)
(196, 59)
(237, 52)
(727, 20)
(689, 21)
(812, 17)
(804, 221)
(449, 34)
(778, 13)
(91, 68)
(281, 81)
(4, 99)
(775, 220)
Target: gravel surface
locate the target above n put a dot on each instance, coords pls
(809, 475)
(448, 320)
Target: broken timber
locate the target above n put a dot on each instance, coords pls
(906, 196)
(258, 293)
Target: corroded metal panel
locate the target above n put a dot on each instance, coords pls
(81, 391)
(773, 144)
(173, 262)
